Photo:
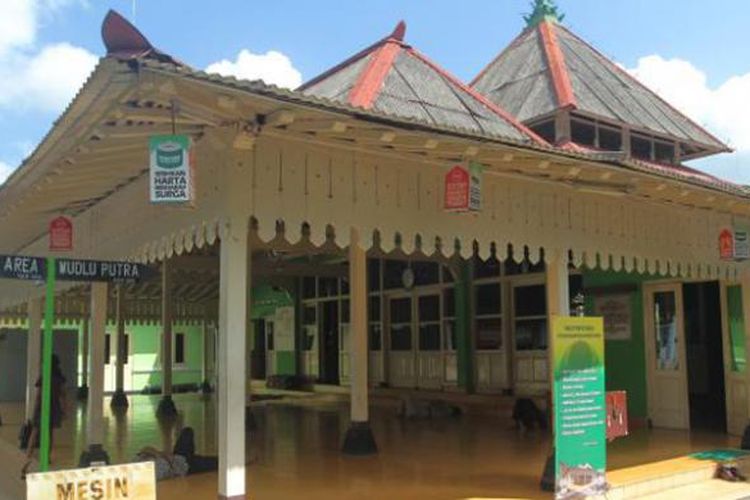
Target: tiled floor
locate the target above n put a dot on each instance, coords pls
(294, 452)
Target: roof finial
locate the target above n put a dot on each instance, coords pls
(544, 10)
(399, 31)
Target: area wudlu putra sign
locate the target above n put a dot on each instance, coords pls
(50, 269)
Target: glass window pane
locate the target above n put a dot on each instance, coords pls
(373, 309)
(531, 335)
(449, 330)
(394, 269)
(107, 348)
(308, 343)
(345, 311)
(401, 310)
(328, 287)
(426, 273)
(373, 275)
(375, 337)
(429, 308)
(665, 326)
(308, 315)
(179, 348)
(447, 275)
(429, 337)
(736, 328)
(488, 299)
(308, 288)
(401, 337)
(530, 300)
(489, 333)
(449, 303)
(344, 286)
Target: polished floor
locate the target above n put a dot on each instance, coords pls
(294, 451)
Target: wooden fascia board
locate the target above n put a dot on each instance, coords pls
(556, 62)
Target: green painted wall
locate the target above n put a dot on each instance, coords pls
(286, 363)
(145, 360)
(625, 359)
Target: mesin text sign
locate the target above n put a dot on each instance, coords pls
(118, 482)
(580, 407)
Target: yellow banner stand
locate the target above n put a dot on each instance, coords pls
(128, 481)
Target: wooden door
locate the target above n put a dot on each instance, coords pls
(665, 356)
(735, 360)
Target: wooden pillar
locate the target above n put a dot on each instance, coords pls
(558, 304)
(83, 390)
(359, 439)
(166, 407)
(119, 399)
(95, 454)
(33, 353)
(464, 348)
(233, 286)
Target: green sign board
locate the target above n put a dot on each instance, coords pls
(170, 169)
(580, 407)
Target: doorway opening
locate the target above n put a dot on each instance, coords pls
(258, 360)
(329, 342)
(705, 358)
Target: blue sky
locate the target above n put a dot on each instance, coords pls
(692, 51)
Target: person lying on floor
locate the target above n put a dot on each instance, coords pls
(182, 461)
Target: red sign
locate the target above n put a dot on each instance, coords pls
(617, 414)
(726, 245)
(457, 189)
(61, 234)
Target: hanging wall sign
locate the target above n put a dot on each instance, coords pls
(35, 268)
(580, 407)
(20, 267)
(463, 188)
(726, 244)
(61, 234)
(741, 244)
(171, 169)
(615, 309)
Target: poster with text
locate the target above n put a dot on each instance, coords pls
(171, 173)
(580, 407)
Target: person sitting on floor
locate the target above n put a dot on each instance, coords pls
(182, 461)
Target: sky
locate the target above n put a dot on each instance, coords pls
(690, 51)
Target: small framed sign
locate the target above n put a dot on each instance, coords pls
(171, 169)
(61, 234)
(463, 188)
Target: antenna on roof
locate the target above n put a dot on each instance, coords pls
(132, 11)
(543, 10)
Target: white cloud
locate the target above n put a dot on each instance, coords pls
(722, 110)
(5, 171)
(273, 67)
(41, 78)
(47, 80)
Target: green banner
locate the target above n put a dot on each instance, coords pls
(580, 407)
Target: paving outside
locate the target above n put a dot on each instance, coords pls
(294, 451)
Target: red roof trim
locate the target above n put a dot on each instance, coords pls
(371, 80)
(397, 35)
(628, 76)
(558, 69)
(479, 97)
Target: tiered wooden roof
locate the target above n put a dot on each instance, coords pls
(548, 68)
(393, 77)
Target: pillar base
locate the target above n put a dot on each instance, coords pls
(359, 440)
(166, 408)
(95, 455)
(119, 400)
(83, 393)
(206, 387)
(547, 483)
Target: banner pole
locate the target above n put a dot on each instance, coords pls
(49, 318)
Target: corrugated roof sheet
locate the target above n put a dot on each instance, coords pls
(338, 85)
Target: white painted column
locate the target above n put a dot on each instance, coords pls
(94, 409)
(33, 353)
(119, 399)
(359, 439)
(233, 286)
(166, 405)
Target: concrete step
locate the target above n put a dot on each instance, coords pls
(686, 477)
